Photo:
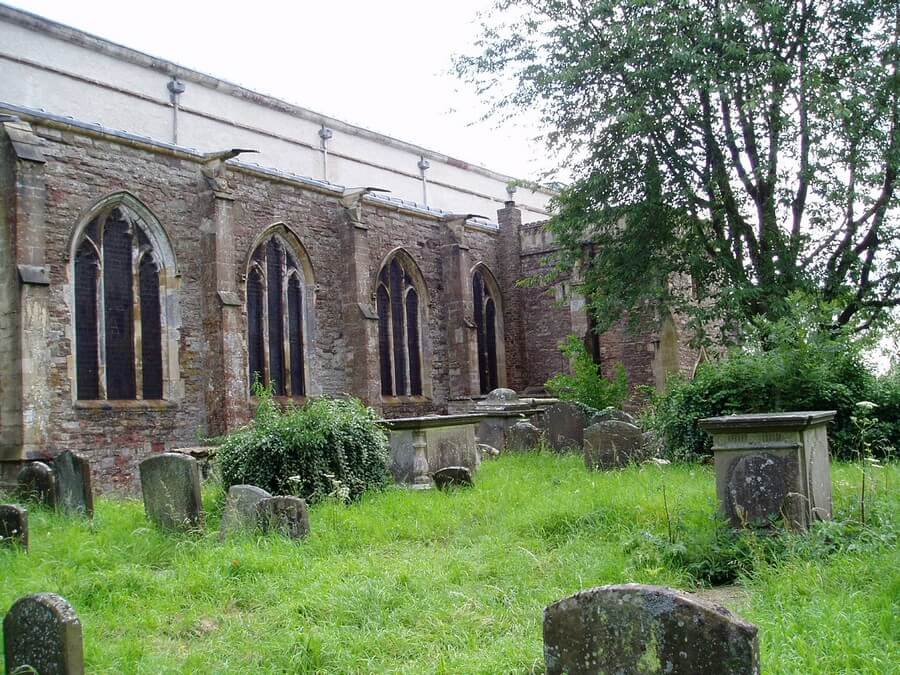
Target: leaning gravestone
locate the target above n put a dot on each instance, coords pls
(13, 526)
(239, 514)
(565, 423)
(452, 476)
(612, 445)
(522, 436)
(284, 515)
(73, 483)
(36, 482)
(632, 628)
(42, 634)
(170, 484)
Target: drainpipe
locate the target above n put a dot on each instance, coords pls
(424, 165)
(176, 88)
(325, 134)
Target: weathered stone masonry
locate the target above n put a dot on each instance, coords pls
(54, 174)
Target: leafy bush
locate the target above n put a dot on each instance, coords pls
(328, 447)
(784, 366)
(585, 384)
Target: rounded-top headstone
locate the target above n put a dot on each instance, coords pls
(170, 484)
(452, 476)
(613, 444)
(36, 482)
(42, 634)
(13, 526)
(240, 509)
(522, 436)
(285, 515)
(632, 628)
(608, 414)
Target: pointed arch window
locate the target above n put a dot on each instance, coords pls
(485, 315)
(399, 336)
(121, 263)
(275, 318)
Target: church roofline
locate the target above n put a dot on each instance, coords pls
(93, 42)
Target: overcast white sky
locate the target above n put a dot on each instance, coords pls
(382, 65)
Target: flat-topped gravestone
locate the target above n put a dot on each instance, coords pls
(74, 487)
(452, 476)
(608, 414)
(772, 467)
(13, 526)
(285, 515)
(240, 514)
(170, 484)
(42, 634)
(632, 628)
(523, 436)
(565, 423)
(612, 444)
(36, 482)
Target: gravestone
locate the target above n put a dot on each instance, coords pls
(42, 634)
(36, 482)
(612, 445)
(609, 414)
(13, 526)
(240, 509)
(73, 483)
(523, 436)
(285, 515)
(170, 484)
(452, 476)
(565, 423)
(772, 467)
(632, 628)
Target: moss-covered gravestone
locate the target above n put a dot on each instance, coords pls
(639, 629)
(36, 482)
(13, 526)
(73, 483)
(170, 484)
(452, 476)
(612, 444)
(283, 515)
(522, 436)
(565, 423)
(42, 634)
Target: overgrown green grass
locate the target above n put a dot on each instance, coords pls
(432, 582)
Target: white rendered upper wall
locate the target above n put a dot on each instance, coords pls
(63, 71)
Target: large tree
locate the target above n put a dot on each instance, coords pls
(750, 146)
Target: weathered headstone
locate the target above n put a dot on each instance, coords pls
(452, 476)
(608, 414)
(565, 425)
(170, 484)
(487, 451)
(632, 628)
(284, 515)
(42, 634)
(36, 482)
(74, 487)
(240, 509)
(612, 445)
(523, 436)
(13, 526)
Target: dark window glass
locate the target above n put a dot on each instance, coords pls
(86, 355)
(485, 333)
(118, 308)
(151, 331)
(384, 341)
(274, 288)
(398, 329)
(412, 342)
(295, 324)
(490, 320)
(399, 339)
(255, 343)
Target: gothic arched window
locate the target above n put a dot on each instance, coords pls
(399, 345)
(276, 289)
(485, 311)
(121, 263)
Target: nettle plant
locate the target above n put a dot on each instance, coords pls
(328, 448)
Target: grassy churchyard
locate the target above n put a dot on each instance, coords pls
(406, 581)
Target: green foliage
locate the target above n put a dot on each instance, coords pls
(585, 384)
(786, 365)
(752, 147)
(328, 447)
